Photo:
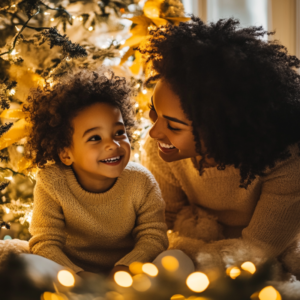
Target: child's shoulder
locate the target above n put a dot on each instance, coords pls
(51, 173)
(136, 170)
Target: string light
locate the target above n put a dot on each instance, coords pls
(136, 105)
(233, 272)
(17, 28)
(52, 19)
(136, 267)
(66, 278)
(141, 283)
(269, 293)
(249, 267)
(170, 263)
(7, 210)
(150, 269)
(73, 17)
(14, 52)
(197, 282)
(8, 178)
(136, 155)
(12, 91)
(80, 18)
(144, 92)
(123, 279)
(177, 297)
(46, 13)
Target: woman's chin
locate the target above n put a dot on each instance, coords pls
(169, 157)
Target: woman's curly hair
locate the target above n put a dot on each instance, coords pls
(51, 110)
(241, 92)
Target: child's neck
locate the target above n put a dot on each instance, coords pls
(92, 184)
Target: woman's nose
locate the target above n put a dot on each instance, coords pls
(156, 131)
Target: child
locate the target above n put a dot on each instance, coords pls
(94, 211)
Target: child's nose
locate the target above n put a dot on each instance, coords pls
(112, 145)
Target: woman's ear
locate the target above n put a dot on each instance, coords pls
(66, 157)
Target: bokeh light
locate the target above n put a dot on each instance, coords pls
(269, 293)
(123, 279)
(177, 297)
(141, 282)
(66, 278)
(170, 263)
(233, 272)
(136, 267)
(52, 296)
(249, 267)
(150, 269)
(197, 282)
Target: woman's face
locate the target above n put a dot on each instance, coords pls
(172, 129)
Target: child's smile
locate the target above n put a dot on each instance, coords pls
(100, 149)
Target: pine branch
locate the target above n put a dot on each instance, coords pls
(4, 128)
(70, 49)
(19, 33)
(59, 9)
(11, 170)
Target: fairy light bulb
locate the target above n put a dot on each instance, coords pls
(249, 267)
(150, 269)
(66, 278)
(91, 28)
(141, 282)
(233, 272)
(170, 263)
(269, 293)
(123, 279)
(197, 282)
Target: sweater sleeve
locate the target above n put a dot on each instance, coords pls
(150, 232)
(48, 224)
(173, 195)
(275, 221)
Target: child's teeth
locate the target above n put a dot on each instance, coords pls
(166, 146)
(112, 159)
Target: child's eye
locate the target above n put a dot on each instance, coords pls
(171, 128)
(120, 132)
(95, 138)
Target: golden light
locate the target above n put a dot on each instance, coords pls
(197, 282)
(112, 295)
(51, 296)
(144, 92)
(233, 272)
(91, 28)
(73, 17)
(269, 293)
(52, 19)
(66, 278)
(150, 269)
(249, 267)
(7, 210)
(123, 279)
(46, 13)
(177, 297)
(136, 267)
(141, 283)
(136, 105)
(14, 52)
(12, 91)
(14, 5)
(80, 18)
(136, 155)
(8, 178)
(18, 29)
(170, 263)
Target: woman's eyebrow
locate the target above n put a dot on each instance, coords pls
(175, 120)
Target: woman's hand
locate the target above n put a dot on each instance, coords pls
(116, 269)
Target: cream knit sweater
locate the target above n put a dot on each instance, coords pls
(266, 214)
(95, 231)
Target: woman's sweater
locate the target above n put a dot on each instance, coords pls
(95, 231)
(266, 214)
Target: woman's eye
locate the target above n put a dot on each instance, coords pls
(95, 138)
(171, 128)
(120, 132)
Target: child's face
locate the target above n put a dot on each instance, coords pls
(101, 148)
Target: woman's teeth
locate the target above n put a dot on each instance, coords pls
(166, 146)
(111, 160)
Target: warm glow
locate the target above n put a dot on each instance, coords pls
(144, 92)
(170, 263)
(91, 28)
(136, 155)
(123, 279)
(14, 52)
(51, 296)
(7, 210)
(8, 178)
(269, 293)
(12, 91)
(52, 19)
(66, 278)
(73, 17)
(136, 267)
(150, 269)
(141, 283)
(197, 282)
(249, 267)
(18, 29)
(233, 272)
(136, 105)
(177, 297)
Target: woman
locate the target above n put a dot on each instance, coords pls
(226, 135)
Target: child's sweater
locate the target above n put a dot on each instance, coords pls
(266, 214)
(95, 231)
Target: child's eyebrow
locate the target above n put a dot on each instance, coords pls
(99, 127)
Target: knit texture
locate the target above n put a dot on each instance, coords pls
(96, 231)
(265, 215)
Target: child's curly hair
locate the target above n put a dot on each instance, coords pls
(51, 110)
(241, 93)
